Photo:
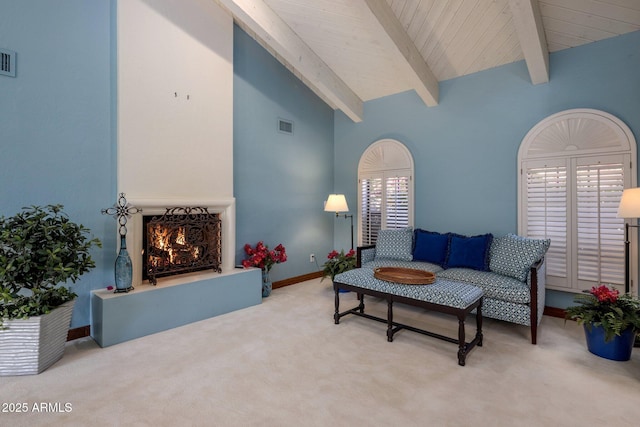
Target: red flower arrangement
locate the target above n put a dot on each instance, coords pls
(604, 294)
(262, 257)
(338, 262)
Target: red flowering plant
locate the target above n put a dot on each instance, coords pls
(262, 257)
(605, 307)
(338, 262)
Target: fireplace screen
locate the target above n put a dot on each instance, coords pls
(182, 240)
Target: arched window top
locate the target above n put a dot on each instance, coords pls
(385, 154)
(576, 132)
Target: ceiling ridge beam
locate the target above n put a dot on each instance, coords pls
(528, 22)
(420, 75)
(266, 25)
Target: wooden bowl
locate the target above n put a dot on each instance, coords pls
(406, 276)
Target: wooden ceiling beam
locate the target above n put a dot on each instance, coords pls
(417, 71)
(528, 23)
(264, 24)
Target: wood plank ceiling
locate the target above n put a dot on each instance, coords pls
(351, 51)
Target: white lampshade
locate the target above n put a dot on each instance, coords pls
(336, 203)
(629, 203)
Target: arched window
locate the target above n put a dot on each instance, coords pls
(574, 166)
(385, 196)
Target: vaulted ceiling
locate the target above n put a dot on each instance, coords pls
(351, 51)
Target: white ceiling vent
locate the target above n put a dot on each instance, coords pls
(7, 63)
(285, 126)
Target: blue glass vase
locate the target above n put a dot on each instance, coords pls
(123, 269)
(618, 348)
(266, 284)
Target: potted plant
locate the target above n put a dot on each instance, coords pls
(264, 259)
(40, 251)
(338, 262)
(610, 321)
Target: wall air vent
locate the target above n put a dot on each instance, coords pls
(7, 63)
(285, 126)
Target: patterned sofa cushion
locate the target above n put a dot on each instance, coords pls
(395, 244)
(494, 285)
(514, 255)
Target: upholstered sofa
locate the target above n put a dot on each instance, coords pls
(509, 269)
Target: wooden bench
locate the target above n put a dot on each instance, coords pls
(443, 296)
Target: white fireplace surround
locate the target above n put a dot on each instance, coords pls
(224, 207)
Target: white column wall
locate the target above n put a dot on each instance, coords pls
(175, 100)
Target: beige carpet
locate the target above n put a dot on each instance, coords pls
(285, 363)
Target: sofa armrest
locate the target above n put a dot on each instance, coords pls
(365, 254)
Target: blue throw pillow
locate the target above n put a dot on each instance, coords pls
(395, 244)
(469, 252)
(430, 247)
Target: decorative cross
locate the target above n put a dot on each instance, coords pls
(121, 210)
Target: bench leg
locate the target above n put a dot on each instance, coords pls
(389, 320)
(462, 347)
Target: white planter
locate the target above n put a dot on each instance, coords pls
(29, 346)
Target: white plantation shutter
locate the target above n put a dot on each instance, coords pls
(384, 203)
(600, 235)
(370, 208)
(574, 202)
(546, 214)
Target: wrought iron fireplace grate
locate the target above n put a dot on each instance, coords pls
(182, 240)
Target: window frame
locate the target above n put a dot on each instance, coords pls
(385, 159)
(575, 138)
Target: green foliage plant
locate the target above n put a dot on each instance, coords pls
(41, 249)
(605, 307)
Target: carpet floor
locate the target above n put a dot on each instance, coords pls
(285, 363)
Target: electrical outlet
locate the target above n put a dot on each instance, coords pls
(312, 258)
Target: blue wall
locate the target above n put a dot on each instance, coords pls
(465, 149)
(58, 135)
(57, 141)
(280, 180)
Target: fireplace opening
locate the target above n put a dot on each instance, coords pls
(182, 240)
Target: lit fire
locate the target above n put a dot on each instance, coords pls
(170, 246)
